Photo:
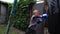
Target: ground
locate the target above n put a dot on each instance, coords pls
(14, 30)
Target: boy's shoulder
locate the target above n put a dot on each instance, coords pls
(33, 15)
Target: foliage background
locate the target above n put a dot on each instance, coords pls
(21, 17)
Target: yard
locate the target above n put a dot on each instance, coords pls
(12, 30)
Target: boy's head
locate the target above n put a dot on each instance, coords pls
(36, 12)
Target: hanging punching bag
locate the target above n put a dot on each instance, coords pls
(53, 18)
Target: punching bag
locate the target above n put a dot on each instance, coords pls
(53, 18)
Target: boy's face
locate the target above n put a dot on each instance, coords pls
(36, 14)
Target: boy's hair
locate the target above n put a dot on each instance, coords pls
(36, 11)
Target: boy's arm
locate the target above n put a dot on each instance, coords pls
(33, 18)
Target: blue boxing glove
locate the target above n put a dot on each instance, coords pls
(44, 16)
(39, 20)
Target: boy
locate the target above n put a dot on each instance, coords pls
(35, 19)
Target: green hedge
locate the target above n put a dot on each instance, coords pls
(21, 15)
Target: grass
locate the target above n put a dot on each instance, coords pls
(3, 29)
